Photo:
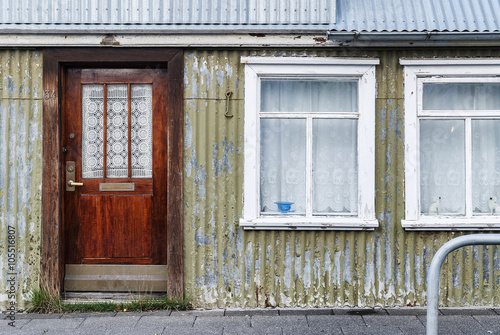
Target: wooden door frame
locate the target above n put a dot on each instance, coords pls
(54, 62)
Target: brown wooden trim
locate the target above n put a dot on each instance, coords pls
(51, 265)
(174, 176)
(105, 133)
(129, 124)
(54, 60)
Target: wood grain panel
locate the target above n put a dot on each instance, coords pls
(116, 227)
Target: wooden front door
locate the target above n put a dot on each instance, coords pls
(114, 138)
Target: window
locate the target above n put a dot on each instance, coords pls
(452, 141)
(309, 143)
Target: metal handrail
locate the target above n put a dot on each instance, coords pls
(435, 270)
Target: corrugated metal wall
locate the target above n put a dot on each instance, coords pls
(173, 12)
(20, 170)
(226, 266)
(417, 15)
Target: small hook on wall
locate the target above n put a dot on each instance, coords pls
(228, 95)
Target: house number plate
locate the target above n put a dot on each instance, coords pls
(124, 187)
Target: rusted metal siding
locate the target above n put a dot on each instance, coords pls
(20, 170)
(226, 266)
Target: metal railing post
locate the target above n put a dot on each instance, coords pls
(435, 270)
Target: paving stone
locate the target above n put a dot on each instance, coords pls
(467, 311)
(407, 311)
(279, 321)
(38, 316)
(357, 330)
(222, 321)
(18, 324)
(156, 313)
(213, 312)
(489, 323)
(106, 324)
(408, 324)
(52, 324)
(388, 320)
(190, 331)
(88, 315)
(250, 331)
(306, 311)
(324, 329)
(335, 320)
(125, 314)
(171, 322)
(456, 324)
(251, 312)
(359, 311)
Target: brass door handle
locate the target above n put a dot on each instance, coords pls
(72, 183)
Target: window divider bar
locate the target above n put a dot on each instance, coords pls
(105, 132)
(129, 154)
(468, 168)
(309, 177)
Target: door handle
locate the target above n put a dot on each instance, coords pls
(72, 183)
(71, 176)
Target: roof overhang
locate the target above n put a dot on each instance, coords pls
(424, 38)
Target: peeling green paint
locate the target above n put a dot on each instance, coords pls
(386, 267)
(224, 265)
(20, 168)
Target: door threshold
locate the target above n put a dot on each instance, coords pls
(128, 279)
(118, 297)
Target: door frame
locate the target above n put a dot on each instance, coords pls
(55, 60)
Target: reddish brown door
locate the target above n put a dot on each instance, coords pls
(115, 152)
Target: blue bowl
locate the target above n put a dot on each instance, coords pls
(284, 206)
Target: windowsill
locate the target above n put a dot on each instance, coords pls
(453, 223)
(303, 223)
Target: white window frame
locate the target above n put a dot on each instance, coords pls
(363, 70)
(418, 72)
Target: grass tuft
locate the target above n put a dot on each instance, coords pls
(45, 302)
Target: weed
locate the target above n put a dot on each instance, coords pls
(44, 301)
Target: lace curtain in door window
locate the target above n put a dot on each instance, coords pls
(142, 129)
(92, 131)
(117, 131)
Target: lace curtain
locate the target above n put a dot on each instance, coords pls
(333, 151)
(117, 131)
(443, 147)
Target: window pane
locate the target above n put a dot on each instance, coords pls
(461, 96)
(486, 166)
(442, 167)
(309, 96)
(92, 131)
(142, 130)
(335, 166)
(117, 131)
(283, 164)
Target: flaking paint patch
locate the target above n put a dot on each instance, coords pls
(188, 133)
(223, 165)
(287, 264)
(200, 238)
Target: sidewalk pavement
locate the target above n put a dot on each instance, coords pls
(322, 321)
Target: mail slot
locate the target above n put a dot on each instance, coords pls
(113, 187)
